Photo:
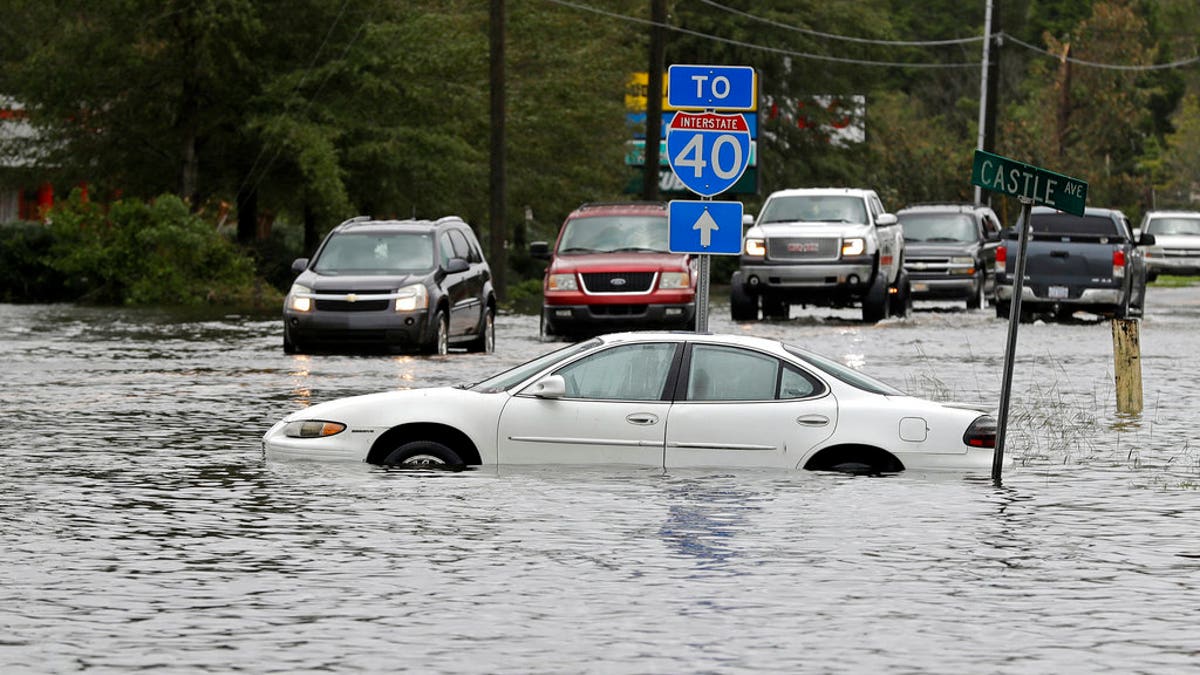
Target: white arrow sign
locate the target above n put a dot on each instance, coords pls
(706, 225)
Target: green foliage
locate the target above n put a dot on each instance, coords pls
(137, 253)
(23, 275)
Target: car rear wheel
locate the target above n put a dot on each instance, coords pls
(742, 305)
(486, 342)
(423, 455)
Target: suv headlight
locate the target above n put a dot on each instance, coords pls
(854, 246)
(412, 298)
(756, 247)
(298, 298)
(562, 282)
(674, 280)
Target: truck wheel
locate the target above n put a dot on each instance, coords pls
(901, 301)
(545, 330)
(773, 308)
(875, 302)
(1002, 309)
(978, 299)
(742, 305)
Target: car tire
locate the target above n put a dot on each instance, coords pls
(742, 305)
(545, 330)
(289, 347)
(1003, 309)
(423, 455)
(900, 302)
(486, 342)
(875, 302)
(439, 341)
(979, 296)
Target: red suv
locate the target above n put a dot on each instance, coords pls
(611, 270)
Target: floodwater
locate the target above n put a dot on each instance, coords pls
(143, 531)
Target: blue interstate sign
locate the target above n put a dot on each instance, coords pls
(705, 227)
(708, 152)
(711, 87)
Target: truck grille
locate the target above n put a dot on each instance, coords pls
(802, 248)
(617, 282)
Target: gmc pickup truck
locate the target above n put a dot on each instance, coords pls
(1075, 263)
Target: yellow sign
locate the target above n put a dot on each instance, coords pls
(637, 87)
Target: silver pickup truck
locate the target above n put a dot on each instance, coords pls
(1075, 263)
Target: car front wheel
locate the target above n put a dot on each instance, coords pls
(423, 455)
(439, 342)
(978, 297)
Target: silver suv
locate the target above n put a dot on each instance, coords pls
(1176, 247)
(827, 247)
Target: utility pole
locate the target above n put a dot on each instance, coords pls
(983, 88)
(654, 90)
(498, 256)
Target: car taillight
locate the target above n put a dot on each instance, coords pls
(1118, 264)
(981, 433)
(1001, 259)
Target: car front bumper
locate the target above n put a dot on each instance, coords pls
(1180, 265)
(344, 447)
(374, 328)
(612, 317)
(759, 276)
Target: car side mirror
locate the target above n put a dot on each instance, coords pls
(747, 219)
(551, 386)
(886, 220)
(1146, 240)
(539, 250)
(457, 265)
(299, 265)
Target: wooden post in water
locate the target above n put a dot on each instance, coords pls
(1127, 355)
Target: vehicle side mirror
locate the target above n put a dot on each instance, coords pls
(551, 386)
(457, 265)
(747, 219)
(299, 265)
(886, 220)
(1146, 240)
(539, 250)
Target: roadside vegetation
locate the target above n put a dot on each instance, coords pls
(270, 123)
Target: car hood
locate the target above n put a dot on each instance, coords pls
(797, 229)
(359, 282)
(620, 262)
(939, 248)
(1177, 241)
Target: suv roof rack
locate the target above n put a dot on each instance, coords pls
(630, 202)
(969, 205)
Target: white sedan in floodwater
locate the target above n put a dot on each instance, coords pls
(664, 399)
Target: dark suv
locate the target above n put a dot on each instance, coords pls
(951, 248)
(392, 284)
(611, 269)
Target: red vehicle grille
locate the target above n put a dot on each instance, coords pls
(617, 282)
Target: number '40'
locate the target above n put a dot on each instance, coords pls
(692, 155)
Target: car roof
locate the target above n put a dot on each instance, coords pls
(1089, 211)
(1171, 213)
(366, 224)
(952, 207)
(822, 192)
(690, 336)
(618, 208)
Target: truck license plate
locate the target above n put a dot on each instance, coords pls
(920, 288)
(1057, 291)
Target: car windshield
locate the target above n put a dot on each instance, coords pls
(607, 234)
(812, 208)
(1065, 223)
(514, 376)
(846, 374)
(1174, 225)
(376, 254)
(938, 227)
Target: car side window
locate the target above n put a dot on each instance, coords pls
(473, 246)
(795, 383)
(623, 373)
(446, 250)
(731, 374)
(459, 242)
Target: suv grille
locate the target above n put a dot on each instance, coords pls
(617, 282)
(357, 306)
(802, 248)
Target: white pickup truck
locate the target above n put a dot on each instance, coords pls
(826, 247)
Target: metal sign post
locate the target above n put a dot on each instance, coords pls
(702, 293)
(1014, 319)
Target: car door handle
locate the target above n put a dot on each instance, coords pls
(812, 420)
(642, 418)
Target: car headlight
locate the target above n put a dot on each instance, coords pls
(298, 298)
(674, 280)
(412, 298)
(312, 429)
(756, 247)
(854, 246)
(562, 282)
(962, 260)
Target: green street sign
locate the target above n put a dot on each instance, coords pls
(1010, 177)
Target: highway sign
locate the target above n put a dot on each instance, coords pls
(711, 87)
(704, 227)
(709, 152)
(1008, 176)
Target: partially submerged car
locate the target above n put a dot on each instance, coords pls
(662, 399)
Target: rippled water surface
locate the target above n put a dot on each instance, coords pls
(142, 529)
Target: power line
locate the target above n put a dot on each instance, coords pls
(1110, 66)
(845, 38)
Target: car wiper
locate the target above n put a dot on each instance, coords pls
(578, 249)
(944, 239)
(639, 248)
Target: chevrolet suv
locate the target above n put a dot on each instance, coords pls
(827, 247)
(611, 269)
(949, 249)
(392, 284)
